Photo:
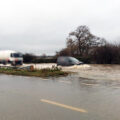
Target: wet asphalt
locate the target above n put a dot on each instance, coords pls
(63, 98)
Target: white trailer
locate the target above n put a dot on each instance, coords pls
(12, 57)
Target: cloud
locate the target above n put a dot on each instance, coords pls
(42, 25)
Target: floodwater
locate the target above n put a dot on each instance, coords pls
(78, 96)
(96, 72)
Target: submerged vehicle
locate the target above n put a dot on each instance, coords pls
(68, 61)
(12, 57)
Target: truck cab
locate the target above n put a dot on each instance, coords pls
(16, 58)
(12, 57)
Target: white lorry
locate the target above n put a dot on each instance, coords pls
(12, 57)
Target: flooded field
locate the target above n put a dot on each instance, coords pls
(92, 93)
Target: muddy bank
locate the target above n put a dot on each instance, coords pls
(46, 72)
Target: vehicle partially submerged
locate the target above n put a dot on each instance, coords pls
(68, 61)
(12, 57)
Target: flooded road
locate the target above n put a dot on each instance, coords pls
(89, 71)
(96, 72)
(64, 98)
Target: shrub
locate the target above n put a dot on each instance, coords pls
(108, 54)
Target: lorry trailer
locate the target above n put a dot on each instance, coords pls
(10, 56)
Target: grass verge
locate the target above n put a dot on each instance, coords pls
(47, 72)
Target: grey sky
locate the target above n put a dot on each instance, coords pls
(41, 26)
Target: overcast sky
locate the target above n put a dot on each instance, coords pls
(41, 26)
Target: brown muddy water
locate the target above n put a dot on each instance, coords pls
(96, 72)
(24, 98)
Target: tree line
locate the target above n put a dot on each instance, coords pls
(85, 46)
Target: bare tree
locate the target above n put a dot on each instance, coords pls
(84, 40)
(81, 42)
(71, 46)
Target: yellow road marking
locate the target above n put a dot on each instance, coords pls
(88, 84)
(63, 105)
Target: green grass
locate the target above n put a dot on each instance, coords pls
(47, 72)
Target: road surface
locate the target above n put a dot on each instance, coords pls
(65, 98)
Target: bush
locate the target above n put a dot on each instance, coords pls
(44, 60)
(108, 54)
(30, 58)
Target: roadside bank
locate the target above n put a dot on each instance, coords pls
(45, 72)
